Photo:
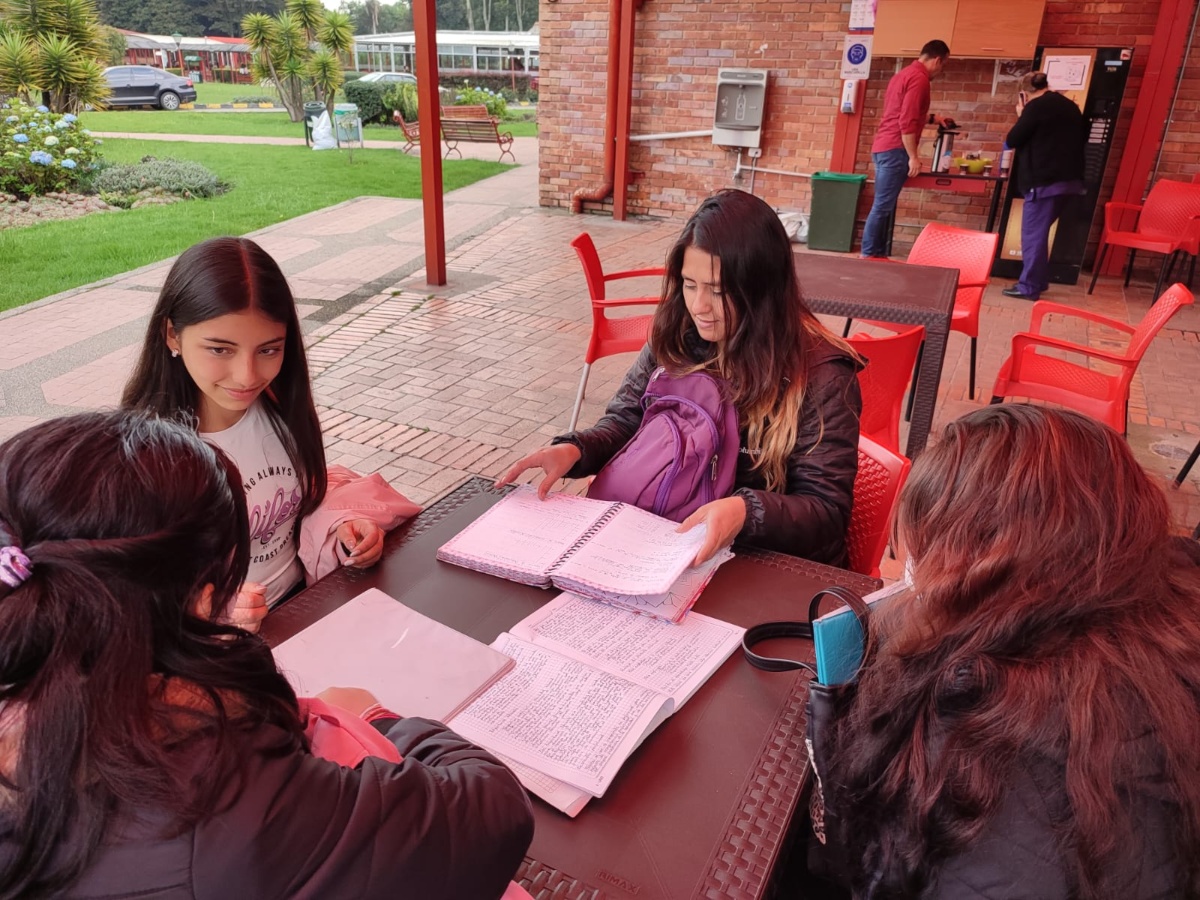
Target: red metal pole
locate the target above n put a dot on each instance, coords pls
(429, 118)
(1153, 104)
(624, 111)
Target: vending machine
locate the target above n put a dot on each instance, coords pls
(1095, 79)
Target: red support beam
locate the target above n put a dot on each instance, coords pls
(429, 118)
(846, 131)
(1153, 104)
(624, 111)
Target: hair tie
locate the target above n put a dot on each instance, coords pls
(15, 567)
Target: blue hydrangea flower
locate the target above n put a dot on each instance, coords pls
(41, 158)
(70, 118)
(42, 109)
(12, 119)
(21, 138)
(51, 141)
(61, 124)
(68, 163)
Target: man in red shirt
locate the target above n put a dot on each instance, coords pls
(894, 151)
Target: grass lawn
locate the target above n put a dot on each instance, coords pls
(252, 124)
(270, 184)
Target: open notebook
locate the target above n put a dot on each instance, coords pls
(564, 698)
(605, 551)
(413, 665)
(591, 682)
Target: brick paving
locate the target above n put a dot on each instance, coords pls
(428, 385)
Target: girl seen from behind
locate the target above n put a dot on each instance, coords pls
(224, 348)
(732, 307)
(147, 750)
(1030, 726)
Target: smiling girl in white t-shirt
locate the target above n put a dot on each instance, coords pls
(224, 347)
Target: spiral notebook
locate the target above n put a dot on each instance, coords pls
(601, 550)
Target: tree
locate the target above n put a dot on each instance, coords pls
(114, 45)
(55, 48)
(284, 54)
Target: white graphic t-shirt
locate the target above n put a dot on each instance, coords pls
(272, 499)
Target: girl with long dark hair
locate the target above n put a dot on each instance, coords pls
(224, 348)
(1030, 726)
(147, 750)
(731, 306)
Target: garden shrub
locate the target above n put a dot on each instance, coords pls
(174, 176)
(404, 98)
(351, 75)
(41, 151)
(368, 98)
(474, 96)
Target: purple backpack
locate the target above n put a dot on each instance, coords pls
(683, 455)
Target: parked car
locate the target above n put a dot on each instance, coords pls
(390, 77)
(148, 86)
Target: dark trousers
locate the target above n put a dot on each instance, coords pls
(1036, 218)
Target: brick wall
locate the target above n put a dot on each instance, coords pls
(680, 46)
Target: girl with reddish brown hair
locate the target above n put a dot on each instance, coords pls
(1030, 726)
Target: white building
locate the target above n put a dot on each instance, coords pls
(459, 52)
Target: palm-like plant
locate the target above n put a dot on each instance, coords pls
(55, 47)
(18, 66)
(285, 56)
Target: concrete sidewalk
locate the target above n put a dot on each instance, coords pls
(430, 384)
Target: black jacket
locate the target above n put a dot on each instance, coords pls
(448, 823)
(810, 517)
(1048, 139)
(1018, 856)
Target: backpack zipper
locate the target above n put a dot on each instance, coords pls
(664, 487)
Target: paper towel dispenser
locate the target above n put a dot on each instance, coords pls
(741, 97)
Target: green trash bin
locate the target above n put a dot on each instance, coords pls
(834, 202)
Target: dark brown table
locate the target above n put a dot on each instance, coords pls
(704, 807)
(888, 292)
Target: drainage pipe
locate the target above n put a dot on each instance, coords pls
(603, 190)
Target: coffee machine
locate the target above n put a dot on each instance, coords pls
(943, 147)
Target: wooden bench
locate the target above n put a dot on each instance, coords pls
(480, 131)
(412, 130)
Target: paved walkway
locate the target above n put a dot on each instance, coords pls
(430, 384)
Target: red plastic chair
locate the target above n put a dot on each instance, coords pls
(890, 362)
(881, 475)
(1168, 223)
(1027, 373)
(615, 335)
(971, 252)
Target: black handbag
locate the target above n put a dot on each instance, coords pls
(826, 702)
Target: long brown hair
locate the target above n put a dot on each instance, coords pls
(125, 518)
(764, 356)
(1049, 618)
(215, 278)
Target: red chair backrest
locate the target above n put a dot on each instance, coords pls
(1164, 307)
(592, 270)
(881, 475)
(970, 252)
(1169, 208)
(890, 361)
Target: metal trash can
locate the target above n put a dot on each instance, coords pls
(347, 126)
(312, 112)
(834, 202)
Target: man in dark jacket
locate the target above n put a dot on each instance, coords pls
(1048, 139)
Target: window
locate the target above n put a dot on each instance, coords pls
(491, 59)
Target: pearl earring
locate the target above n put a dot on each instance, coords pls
(174, 353)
